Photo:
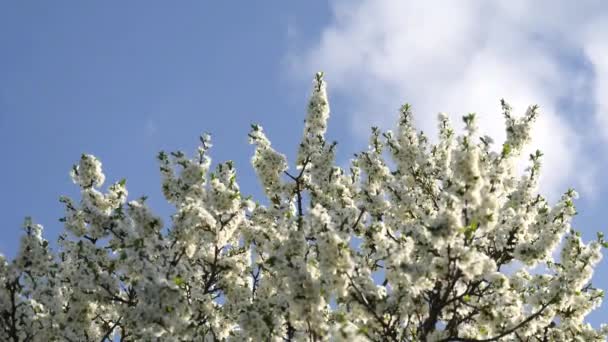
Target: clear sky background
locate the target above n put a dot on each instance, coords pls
(123, 80)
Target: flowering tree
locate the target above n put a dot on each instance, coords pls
(438, 247)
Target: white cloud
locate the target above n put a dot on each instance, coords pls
(463, 56)
(595, 43)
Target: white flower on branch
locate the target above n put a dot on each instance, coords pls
(414, 244)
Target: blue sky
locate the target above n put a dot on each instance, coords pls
(123, 80)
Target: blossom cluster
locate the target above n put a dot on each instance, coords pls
(417, 241)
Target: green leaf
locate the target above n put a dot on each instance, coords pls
(470, 229)
(178, 281)
(363, 330)
(466, 298)
(506, 149)
(122, 182)
(474, 225)
(469, 118)
(340, 317)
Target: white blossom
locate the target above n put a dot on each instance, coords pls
(415, 242)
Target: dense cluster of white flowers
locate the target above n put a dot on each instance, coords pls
(414, 252)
